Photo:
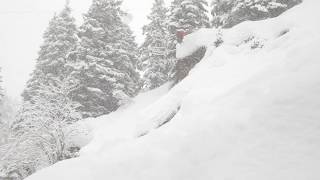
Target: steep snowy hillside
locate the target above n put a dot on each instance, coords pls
(248, 111)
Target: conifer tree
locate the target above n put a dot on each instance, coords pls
(189, 15)
(227, 13)
(105, 61)
(59, 40)
(174, 15)
(155, 63)
(221, 9)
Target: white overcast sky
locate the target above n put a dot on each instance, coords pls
(22, 23)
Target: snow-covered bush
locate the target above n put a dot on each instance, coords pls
(8, 110)
(42, 131)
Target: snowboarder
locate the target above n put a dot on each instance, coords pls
(180, 35)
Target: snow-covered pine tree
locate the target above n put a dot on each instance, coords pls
(125, 60)
(60, 39)
(106, 60)
(227, 13)
(173, 16)
(253, 10)
(153, 57)
(189, 15)
(221, 9)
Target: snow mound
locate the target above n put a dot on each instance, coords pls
(120, 126)
(249, 110)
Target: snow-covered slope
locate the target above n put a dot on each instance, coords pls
(249, 110)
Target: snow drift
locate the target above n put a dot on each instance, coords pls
(249, 110)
